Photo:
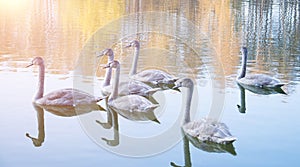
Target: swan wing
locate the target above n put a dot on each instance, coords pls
(134, 107)
(260, 80)
(133, 103)
(208, 130)
(131, 87)
(67, 97)
(153, 76)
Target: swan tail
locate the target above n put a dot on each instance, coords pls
(228, 140)
(100, 98)
(152, 100)
(101, 108)
(174, 79)
(153, 106)
(279, 85)
(156, 120)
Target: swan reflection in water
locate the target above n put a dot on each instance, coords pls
(256, 90)
(242, 106)
(37, 142)
(62, 111)
(112, 122)
(263, 90)
(204, 146)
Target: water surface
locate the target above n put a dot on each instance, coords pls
(194, 39)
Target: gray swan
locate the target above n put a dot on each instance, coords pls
(151, 76)
(125, 88)
(62, 97)
(205, 130)
(257, 80)
(133, 106)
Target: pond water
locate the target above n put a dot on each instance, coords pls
(196, 39)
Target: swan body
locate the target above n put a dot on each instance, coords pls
(205, 130)
(152, 76)
(211, 147)
(70, 111)
(133, 107)
(67, 97)
(125, 88)
(131, 87)
(260, 80)
(209, 130)
(62, 97)
(257, 80)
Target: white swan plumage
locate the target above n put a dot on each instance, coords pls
(127, 87)
(61, 97)
(257, 80)
(152, 76)
(205, 129)
(133, 107)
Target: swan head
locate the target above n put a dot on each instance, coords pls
(244, 50)
(184, 82)
(113, 64)
(133, 43)
(36, 142)
(108, 52)
(36, 61)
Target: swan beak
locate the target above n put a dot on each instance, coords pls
(128, 46)
(176, 86)
(99, 54)
(29, 65)
(105, 66)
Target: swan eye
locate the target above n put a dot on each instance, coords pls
(132, 44)
(179, 84)
(35, 62)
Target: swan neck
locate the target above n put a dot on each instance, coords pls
(114, 94)
(187, 154)
(243, 67)
(107, 77)
(243, 100)
(41, 129)
(242, 107)
(187, 117)
(108, 72)
(135, 61)
(40, 91)
(116, 126)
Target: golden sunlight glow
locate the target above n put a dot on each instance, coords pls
(13, 5)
